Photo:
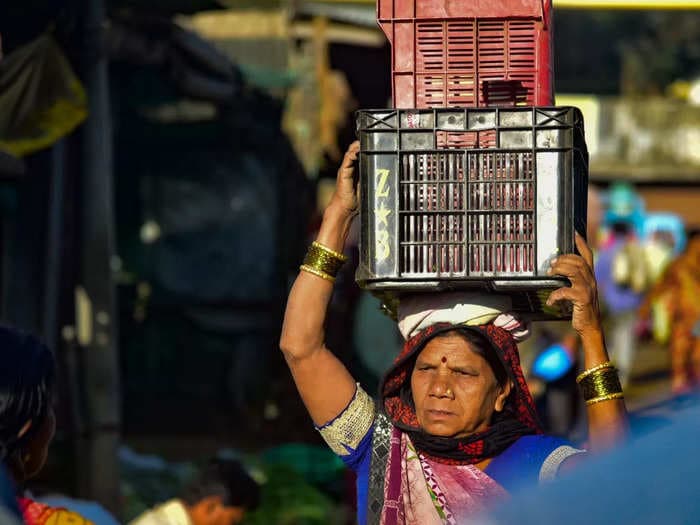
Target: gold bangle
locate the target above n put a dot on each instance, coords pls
(317, 273)
(602, 382)
(606, 397)
(585, 373)
(333, 253)
(323, 259)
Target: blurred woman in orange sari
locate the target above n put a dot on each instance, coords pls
(677, 293)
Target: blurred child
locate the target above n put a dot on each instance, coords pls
(221, 495)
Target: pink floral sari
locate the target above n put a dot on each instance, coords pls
(420, 491)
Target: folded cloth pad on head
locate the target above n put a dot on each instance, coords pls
(419, 311)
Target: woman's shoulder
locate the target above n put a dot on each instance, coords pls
(530, 460)
(352, 427)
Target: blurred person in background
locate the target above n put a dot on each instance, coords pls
(456, 429)
(664, 239)
(221, 494)
(621, 273)
(677, 293)
(27, 419)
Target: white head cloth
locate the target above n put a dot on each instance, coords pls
(418, 312)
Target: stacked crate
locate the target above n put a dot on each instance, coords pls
(469, 53)
(473, 179)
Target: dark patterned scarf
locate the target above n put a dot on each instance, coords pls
(517, 419)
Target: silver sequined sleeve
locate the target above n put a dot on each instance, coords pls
(345, 432)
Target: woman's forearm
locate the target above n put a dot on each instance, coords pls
(607, 420)
(304, 319)
(607, 416)
(335, 228)
(325, 385)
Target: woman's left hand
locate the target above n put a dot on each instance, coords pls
(583, 292)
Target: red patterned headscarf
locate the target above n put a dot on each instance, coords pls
(517, 419)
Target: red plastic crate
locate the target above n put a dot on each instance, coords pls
(469, 53)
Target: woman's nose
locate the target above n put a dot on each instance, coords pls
(441, 388)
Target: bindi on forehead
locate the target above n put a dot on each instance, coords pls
(444, 359)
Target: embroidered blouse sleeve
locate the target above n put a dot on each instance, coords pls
(551, 464)
(348, 429)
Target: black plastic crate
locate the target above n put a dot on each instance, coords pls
(470, 198)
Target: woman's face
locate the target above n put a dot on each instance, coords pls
(454, 389)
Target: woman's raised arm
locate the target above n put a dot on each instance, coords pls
(325, 385)
(607, 415)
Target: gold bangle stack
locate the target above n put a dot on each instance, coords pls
(600, 383)
(322, 261)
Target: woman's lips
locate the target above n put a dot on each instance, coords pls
(440, 414)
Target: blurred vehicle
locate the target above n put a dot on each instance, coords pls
(653, 480)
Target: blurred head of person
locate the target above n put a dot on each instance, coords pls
(27, 419)
(624, 208)
(221, 494)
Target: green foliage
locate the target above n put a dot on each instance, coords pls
(288, 499)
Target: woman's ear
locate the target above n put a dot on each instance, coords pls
(502, 396)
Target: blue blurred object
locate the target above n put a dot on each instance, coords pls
(652, 480)
(553, 363)
(666, 223)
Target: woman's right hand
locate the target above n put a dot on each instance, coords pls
(583, 292)
(345, 199)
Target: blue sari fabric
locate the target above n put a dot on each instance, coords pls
(518, 466)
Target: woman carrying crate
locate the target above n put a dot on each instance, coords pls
(455, 429)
